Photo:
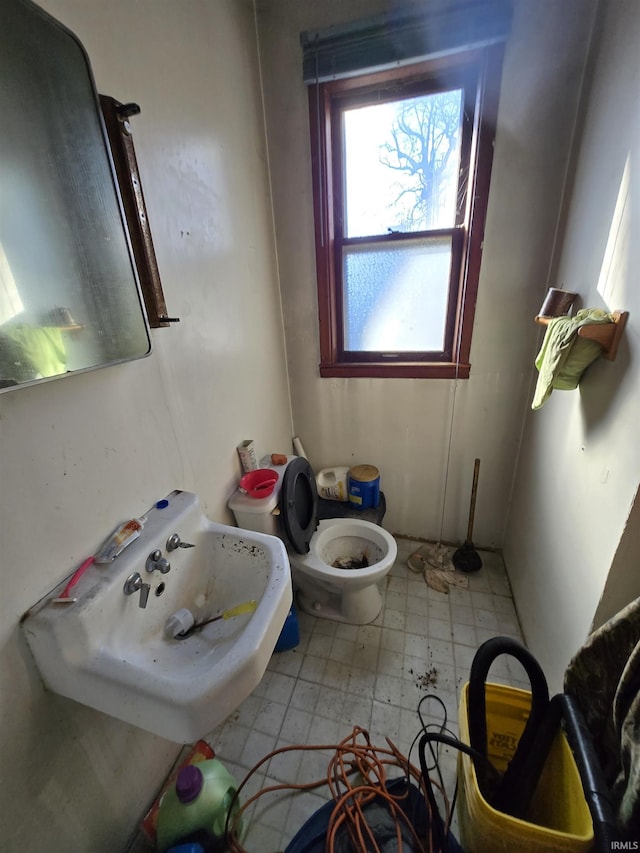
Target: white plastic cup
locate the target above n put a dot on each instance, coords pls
(178, 623)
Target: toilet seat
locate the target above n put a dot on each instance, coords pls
(299, 504)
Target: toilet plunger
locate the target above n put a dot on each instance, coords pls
(466, 558)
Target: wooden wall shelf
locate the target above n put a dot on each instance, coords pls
(608, 335)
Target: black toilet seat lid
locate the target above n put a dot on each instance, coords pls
(299, 504)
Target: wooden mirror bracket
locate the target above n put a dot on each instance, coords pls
(116, 119)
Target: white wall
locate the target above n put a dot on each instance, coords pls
(623, 581)
(580, 464)
(402, 426)
(83, 453)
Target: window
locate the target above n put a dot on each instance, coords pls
(401, 167)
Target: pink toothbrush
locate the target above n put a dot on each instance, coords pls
(63, 598)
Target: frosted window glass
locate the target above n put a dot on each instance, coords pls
(395, 296)
(402, 161)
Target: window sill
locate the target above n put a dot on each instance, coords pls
(397, 370)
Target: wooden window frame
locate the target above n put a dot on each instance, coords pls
(326, 101)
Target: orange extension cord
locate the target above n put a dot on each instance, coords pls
(353, 755)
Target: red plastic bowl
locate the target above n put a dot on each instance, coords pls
(260, 483)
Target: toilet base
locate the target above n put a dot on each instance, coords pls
(355, 608)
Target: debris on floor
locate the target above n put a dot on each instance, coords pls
(438, 556)
(429, 679)
(434, 563)
(442, 579)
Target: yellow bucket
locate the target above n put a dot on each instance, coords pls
(558, 819)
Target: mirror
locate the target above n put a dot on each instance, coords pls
(69, 293)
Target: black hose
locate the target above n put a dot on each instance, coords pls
(477, 710)
(596, 791)
(521, 778)
(436, 828)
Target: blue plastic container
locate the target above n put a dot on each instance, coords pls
(290, 635)
(364, 487)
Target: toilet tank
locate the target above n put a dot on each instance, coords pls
(260, 514)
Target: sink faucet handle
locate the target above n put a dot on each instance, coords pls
(134, 583)
(174, 542)
(155, 561)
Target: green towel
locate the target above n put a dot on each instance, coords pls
(564, 356)
(42, 347)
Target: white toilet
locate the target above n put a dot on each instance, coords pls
(335, 563)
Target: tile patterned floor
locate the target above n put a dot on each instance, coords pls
(372, 676)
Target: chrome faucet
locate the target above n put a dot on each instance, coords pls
(174, 542)
(134, 583)
(156, 562)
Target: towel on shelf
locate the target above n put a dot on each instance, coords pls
(564, 356)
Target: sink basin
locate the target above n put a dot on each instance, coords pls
(106, 651)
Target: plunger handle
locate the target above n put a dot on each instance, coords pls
(474, 492)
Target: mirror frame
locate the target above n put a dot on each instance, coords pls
(119, 132)
(121, 164)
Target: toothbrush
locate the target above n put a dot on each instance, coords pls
(238, 610)
(64, 598)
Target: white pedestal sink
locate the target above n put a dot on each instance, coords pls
(108, 652)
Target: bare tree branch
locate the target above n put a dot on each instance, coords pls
(424, 138)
